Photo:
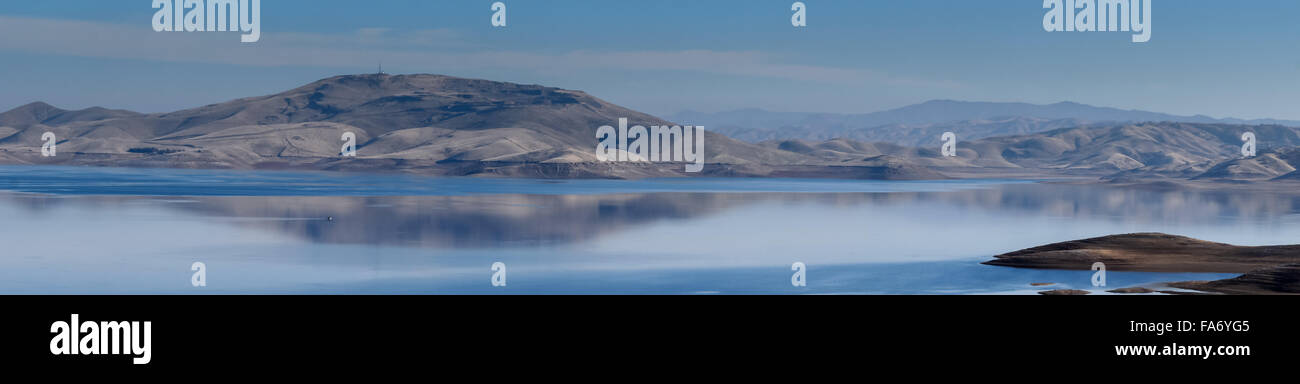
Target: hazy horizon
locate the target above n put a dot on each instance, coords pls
(665, 114)
(673, 56)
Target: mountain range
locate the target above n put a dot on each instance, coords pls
(441, 125)
(923, 124)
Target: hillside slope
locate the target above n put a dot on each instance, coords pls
(416, 123)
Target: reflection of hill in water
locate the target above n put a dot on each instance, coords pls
(462, 221)
(433, 221)
(536, 220)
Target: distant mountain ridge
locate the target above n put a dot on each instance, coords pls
(42, 113)
(920, 124)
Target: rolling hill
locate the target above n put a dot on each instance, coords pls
(921, 124)
(1130, 152)
(415, 123)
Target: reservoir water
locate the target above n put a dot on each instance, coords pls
(75, 230)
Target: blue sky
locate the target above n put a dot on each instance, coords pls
(1218, 58)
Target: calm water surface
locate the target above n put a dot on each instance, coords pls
(105, 230)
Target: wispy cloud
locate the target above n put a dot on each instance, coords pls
(439, 48)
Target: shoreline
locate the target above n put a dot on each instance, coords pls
(642, 171)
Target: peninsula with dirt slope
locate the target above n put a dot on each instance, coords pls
(1266, 269)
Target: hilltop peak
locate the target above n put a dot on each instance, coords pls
(381, 87)
(29, 114)
(38, 107)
